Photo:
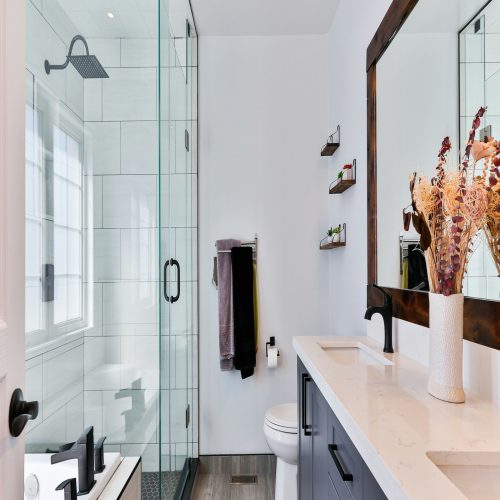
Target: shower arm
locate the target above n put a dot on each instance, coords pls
(49, 67)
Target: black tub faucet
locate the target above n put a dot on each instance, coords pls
(83, 451)
(386, 312)
(69, 489)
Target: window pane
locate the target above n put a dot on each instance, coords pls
(68, 241)
(34, 241)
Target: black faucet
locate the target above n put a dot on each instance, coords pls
(83, 451)
(69, 489)
(386, 312)
(99, 456)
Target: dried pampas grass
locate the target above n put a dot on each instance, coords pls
(449, 210)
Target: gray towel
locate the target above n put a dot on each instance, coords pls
(226, 325)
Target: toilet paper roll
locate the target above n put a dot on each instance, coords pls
(272, 357)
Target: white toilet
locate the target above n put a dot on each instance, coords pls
(280, 429)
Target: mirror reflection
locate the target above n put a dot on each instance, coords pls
(438, 71)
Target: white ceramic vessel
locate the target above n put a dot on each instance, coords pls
(446, 319)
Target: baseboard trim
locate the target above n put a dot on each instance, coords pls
(237, 464)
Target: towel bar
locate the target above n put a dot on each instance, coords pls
(253, 244)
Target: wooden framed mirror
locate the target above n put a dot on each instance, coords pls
(481, 315)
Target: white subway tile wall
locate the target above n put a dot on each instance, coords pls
(122, 383)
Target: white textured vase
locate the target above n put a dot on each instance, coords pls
(446, 318)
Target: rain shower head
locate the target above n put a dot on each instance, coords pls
(87, 65)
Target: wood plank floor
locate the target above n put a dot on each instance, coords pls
(219, 487)
(213, 481)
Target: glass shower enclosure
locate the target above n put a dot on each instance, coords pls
(111, 231)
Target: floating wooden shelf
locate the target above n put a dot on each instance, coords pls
(332, 144)
(330, 245)
(340, 185)
(330, 148)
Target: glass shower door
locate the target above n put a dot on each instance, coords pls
(178, 240)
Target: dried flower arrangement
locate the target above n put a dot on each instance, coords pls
(450, 209)
(490, 152)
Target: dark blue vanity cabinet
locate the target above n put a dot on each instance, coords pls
(330, 467)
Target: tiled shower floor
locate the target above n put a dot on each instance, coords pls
(150, 485)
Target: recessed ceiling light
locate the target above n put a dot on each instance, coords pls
(111, 15)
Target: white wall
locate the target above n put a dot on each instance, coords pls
(262, 124)
(353, 27)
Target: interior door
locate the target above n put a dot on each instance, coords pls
(12, 103)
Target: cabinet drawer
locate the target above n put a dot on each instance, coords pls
(346, 464)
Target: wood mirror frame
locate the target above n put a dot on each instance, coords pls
(481, 317)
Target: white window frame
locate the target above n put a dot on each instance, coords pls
(53, 113)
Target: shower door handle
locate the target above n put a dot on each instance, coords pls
(168, 298)
(176, 264)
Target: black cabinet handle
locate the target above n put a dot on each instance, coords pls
(305, 427)
(171, 299)
(332, 448)
(20, 412)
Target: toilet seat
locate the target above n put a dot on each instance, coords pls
(282, 418)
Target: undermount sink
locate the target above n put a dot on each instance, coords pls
(475, 474)
(353, 353)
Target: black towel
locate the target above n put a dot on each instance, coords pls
(243, 312)
(417, 269)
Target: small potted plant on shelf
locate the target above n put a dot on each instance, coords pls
(330, 234)
(346, 173)
(334, 234)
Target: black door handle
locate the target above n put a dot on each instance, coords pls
(168, 298)
(176, 264)
(332, 448)
(165, 292)
(20, 412)
(305, 427)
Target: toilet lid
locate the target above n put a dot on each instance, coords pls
(283, 415)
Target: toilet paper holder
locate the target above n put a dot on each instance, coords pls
(271, 343)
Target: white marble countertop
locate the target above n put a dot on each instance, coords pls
(394, 422)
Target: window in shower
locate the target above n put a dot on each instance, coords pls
(68, 229)
(34, 222)
(55, 208)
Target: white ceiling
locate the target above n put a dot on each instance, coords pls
(131, 18)
(263, 17)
